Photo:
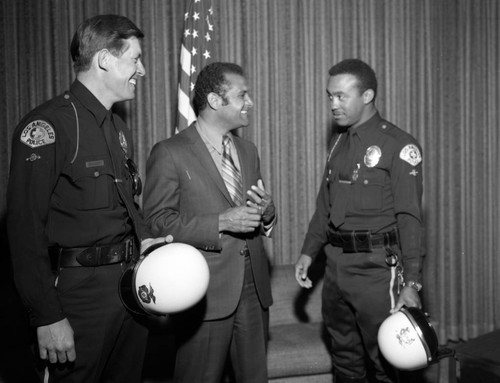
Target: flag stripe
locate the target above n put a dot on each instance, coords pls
(196, 51)
(185, 60)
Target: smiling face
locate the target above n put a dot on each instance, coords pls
(123, 70)
(233, 112)
(350, 106)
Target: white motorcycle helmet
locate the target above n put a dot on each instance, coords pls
(407, 339)
(170, 279)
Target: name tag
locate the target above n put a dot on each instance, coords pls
(94, 164)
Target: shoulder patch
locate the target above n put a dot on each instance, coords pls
(411, 154)
(38, 133)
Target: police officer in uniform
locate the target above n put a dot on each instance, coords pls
(73, 224)
(368, 219)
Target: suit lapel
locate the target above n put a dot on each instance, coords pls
(200, 152)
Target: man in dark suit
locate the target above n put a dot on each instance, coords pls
(195, 192)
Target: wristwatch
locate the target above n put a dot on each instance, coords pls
(417, 286)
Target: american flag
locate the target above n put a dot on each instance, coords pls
(196, 51)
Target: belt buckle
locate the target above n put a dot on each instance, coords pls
(129, 249)
(90, 257)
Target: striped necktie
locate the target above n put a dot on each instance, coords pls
(230, 174)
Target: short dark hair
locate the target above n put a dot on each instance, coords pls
(359, 69)
(101, 32)
(212, 78)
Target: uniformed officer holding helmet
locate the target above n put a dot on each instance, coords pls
(72, 221)
(368, 219)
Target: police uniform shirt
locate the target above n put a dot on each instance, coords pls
(381, 170)
(61, 191)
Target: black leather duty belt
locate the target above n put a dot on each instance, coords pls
(94, 256)
(363, 241)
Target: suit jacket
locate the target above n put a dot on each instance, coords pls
(183, 197)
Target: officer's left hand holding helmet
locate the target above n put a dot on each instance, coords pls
(408, 297)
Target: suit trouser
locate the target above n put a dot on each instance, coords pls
(203, 347)
(110, 344)
(359, 291)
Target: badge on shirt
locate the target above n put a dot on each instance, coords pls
(123, 141)
(38, 133)
(372, 156)
(411, 154)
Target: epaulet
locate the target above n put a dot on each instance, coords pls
(394, 132)
(53, 104)
(386, 127)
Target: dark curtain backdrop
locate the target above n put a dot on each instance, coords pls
(438, 67)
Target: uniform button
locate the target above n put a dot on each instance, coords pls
(66, 96)
(169, 238)
(365, 182)
(242, 252)
(96, 174)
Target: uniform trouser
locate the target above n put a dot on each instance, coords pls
(359, 291)
(110, 343)
(203, 347)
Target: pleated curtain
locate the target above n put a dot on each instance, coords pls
(438, 66)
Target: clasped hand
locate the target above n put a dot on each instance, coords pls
(261, 199)
(245, 219)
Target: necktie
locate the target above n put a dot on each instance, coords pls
(343, 185)
(230, 174)
(113, 144)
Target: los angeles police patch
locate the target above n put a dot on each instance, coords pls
(411, 154)
(38, 133)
